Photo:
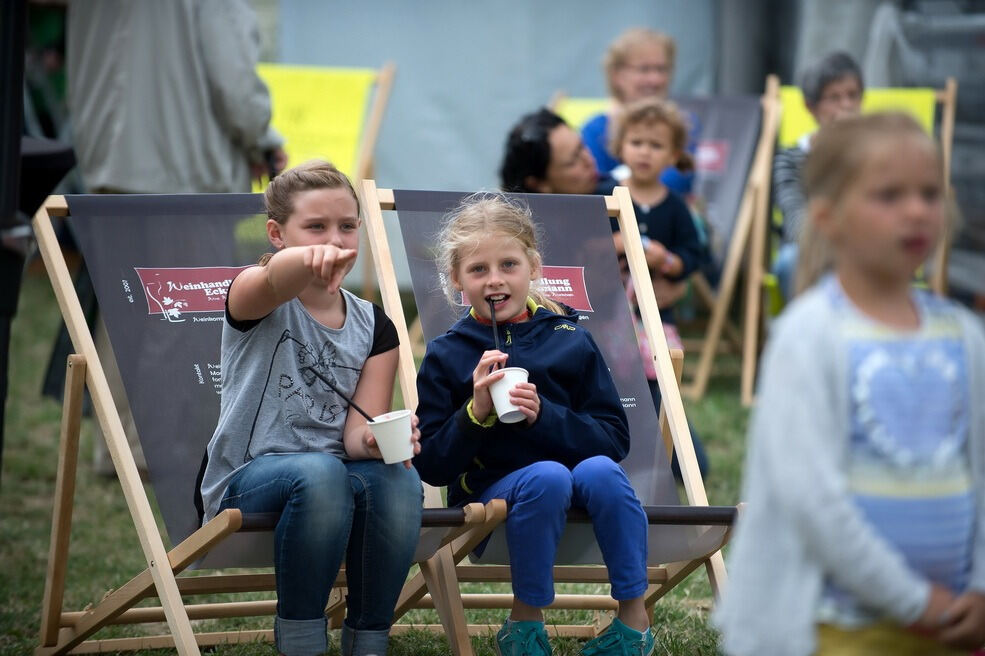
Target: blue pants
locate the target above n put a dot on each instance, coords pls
(785, 269)
(363, 510)
(538, 498)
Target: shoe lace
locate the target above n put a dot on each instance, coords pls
(603, 644)
(612, 640)
(528, 642)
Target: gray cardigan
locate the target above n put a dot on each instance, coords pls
(800, 525)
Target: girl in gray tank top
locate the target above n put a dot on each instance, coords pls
(295, 347)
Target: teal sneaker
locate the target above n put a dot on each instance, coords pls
(522, 639)
(620, 640)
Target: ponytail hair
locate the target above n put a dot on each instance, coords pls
(653, 111)
(478, 217)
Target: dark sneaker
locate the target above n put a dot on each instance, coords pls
(522, 639)
(620, 640)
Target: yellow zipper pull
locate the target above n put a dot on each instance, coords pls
(509, 337)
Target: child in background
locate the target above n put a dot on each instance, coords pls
(866, 463)
(832, 89)
(286, 442)
(649, 136)
(564, 453)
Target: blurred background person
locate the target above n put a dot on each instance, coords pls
(832, 87)
(164, 98)
(638, 64)
(543, 155)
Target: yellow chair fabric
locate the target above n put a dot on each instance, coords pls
(320, 111)
(576, 111)
(797, 121)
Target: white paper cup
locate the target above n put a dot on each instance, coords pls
(392, 432)
(500, 392)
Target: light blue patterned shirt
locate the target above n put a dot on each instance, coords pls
(908, 470)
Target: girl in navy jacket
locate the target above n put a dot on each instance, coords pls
(565, 450)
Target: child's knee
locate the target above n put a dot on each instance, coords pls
(601, 469)
(600, 478)
(320, 476)
(403, 496)
(546, 479)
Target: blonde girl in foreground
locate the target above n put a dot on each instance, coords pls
(563, 453)
(864, 475)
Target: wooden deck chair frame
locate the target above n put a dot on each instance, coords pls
(745, 252)
(64, 631)
(758, 255)
(365, 162)
(673, 423)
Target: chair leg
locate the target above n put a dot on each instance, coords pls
(439, 573)
(61, 520)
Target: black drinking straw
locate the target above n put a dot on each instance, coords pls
(351, 403)
(492, 313)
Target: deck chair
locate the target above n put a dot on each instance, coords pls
(326, 113)
(581, 270)
(797, 121)
(161, 266)
(733, 158)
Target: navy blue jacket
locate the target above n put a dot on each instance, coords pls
(580, 412)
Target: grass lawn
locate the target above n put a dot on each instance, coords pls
(105, 552)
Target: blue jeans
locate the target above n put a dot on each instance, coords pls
(538, 497)
(363, 510)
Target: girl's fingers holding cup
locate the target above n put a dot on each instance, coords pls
(487, 379)
(369, 441)
(490, 359)
(524, 399)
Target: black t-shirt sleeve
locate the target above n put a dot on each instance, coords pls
(242, 325)
(384, 332)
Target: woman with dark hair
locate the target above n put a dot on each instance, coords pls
(544, 155)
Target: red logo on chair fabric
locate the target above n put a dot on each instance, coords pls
(173, 292)
(566, 284)
(711, 156)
